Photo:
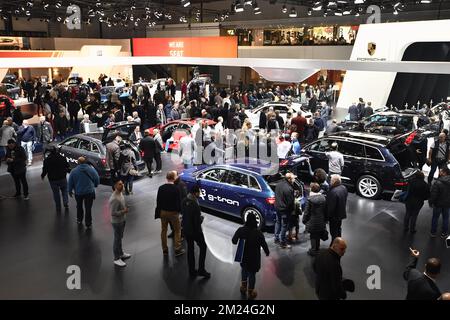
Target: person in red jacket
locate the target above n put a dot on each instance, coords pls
(298, 125)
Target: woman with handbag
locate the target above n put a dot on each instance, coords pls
(127, 164)
(418, 191)
(253, 240)
(314, 218)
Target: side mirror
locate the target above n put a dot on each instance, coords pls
(198, 177)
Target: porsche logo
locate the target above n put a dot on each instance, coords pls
(371, 47)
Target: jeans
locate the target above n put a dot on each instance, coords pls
(57, 187)
(335, 229)
(250, 276)
(200, 240)
(434, 221)
(28, 146)
(434, 167)
(174, 218)
(411, 217)
(88, 200)
(128, 182)
(18, 180)
(158, 161)
(149, 163)
(281, 226)
(118, 235)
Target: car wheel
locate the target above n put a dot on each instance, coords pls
(368, 187)
(259, 217)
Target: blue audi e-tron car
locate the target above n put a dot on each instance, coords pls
(238, 189)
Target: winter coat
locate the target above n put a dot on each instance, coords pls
(314, 217)
(45, 132)
(337, 203)
(418, 192)
(55, 167)
(26, 134)
(6, 133)
(18, 165)
(83, 180)
(192, 216)
(284, 197)
(148, 146)
(254, 241)
(127, 161)
(112, 155)
(440, 193)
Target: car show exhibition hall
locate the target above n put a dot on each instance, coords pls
(225, 150)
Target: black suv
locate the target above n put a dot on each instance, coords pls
(390, 122)
(92, 146)
(373, 163)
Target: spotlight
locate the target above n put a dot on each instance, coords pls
(46, 6)
(317, 6)
(59, 19)
(256, 7)
(359, 1)
(346, 13)
(58, 4)
(331, 4)
(425, 1)
(98, 4)
(338, 13)
(248, 2)
(397, 4)
(309, 11)
(185, 3)
(29, 4)
(284, 9)
(293, 13)
(238, 7)
(28, 13)
(395, 12)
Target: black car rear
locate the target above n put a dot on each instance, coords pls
(373, 164)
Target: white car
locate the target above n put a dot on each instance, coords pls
(281, 106)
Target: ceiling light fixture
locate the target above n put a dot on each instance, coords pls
(425, 1)
(293, 13)
(238, 7)
(317, 6)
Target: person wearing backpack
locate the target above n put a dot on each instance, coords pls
(251, 258)
(127, 165)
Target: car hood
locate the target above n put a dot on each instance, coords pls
(190, 172)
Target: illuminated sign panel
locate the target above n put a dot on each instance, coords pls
(201, 47)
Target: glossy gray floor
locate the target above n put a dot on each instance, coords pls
(37, 245)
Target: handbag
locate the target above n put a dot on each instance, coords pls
(240, 251)
(324, 235)
(133, 172)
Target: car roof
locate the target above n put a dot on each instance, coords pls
(86, 136)
(363, 137)
(410, 113)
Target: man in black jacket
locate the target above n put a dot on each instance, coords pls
(16, 159)
(327, 267)
(192, 227)
(56, 168)
(168, 208)
(440, 202)
(285, 205)
(422, 286)
(148, 146)
(336, 205)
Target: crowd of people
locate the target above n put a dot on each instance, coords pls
(230, 129)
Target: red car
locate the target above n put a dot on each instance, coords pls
(176, 129)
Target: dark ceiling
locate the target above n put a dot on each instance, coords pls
(126, 12)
